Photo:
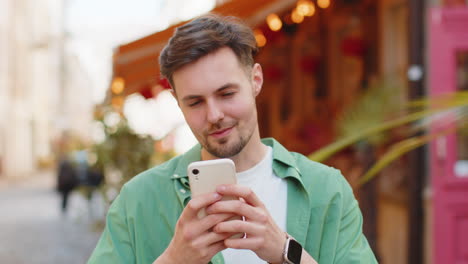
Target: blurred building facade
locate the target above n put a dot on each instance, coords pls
(37, 99)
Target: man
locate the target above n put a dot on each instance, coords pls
(296, 210)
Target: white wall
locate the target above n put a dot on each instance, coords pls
(4, 80)
(17, 137)
(78, 97)
(39, 92)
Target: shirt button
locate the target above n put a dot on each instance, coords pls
(182, 190)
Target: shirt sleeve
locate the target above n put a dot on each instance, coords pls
(352, 245)
(115, 245)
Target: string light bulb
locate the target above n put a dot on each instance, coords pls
(296, 17)
(260, 38)
(118, 85)
(274, 22)
(305, 8)
(323, 3)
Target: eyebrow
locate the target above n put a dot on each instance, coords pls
(222, 88)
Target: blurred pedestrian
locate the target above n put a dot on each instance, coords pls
(94, 178)
(81, 165)
(67, 180)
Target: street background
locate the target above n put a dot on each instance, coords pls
(33, 228)
(375, 88)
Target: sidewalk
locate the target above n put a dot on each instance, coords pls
(33, 229)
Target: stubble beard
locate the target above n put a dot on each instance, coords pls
(223, 149)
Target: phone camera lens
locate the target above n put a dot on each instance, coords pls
(195, 171)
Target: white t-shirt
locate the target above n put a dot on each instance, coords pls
(272, 191)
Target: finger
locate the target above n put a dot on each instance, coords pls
(203, 252)
(211, 220)
(237, 207)
(240, 191)
(197, 227)
(216, 247)
(239, 226)
(209, 238)
(252, 243)
(199, 202)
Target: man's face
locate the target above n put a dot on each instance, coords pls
(217, 97)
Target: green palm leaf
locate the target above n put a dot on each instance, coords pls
(441, 105)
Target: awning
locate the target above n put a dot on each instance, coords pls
(136, 63)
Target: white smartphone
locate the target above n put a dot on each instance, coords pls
(205, 176)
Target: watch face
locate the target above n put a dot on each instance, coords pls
(294, 251)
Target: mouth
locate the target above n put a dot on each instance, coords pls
(221, 132)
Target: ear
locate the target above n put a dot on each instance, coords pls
(257, 79)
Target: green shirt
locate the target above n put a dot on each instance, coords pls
(322, 213)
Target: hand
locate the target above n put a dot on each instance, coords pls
(264, 237)
(193, 240)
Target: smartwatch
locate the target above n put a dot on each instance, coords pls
(292, 251)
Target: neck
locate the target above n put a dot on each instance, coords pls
(249, 156)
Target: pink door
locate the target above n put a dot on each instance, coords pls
(448, 72)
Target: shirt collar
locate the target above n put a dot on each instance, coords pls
(194, 154)
(284, 164)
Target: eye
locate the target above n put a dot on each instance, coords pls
(194, 103)
(228, 94)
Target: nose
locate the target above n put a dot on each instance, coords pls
(213, 112)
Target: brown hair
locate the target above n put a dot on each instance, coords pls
(205, 35)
